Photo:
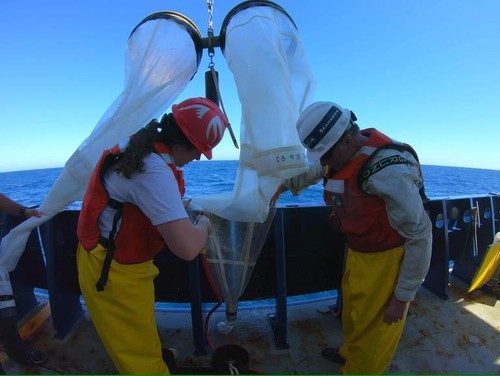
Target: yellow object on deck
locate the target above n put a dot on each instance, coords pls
(35, 322)
(487, 268)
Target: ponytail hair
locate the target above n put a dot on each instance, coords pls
(172, 134)
(142, 143)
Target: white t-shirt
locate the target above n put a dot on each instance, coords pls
(155, 191)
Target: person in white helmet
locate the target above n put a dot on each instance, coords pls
(132, 208)
(375, 188)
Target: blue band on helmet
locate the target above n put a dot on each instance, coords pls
(323, 127)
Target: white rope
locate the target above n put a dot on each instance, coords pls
(233, 369)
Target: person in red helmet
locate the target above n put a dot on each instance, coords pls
(132, 208)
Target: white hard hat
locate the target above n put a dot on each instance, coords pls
(320, 126)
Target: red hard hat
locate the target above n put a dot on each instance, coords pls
(202, 122)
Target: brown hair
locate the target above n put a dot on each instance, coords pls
(142, 143)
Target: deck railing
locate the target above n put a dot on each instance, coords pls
(302, 254)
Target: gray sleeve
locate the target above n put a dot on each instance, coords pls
(299, 182)
(398, 185)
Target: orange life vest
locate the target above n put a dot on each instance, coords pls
(137, 240)
(362, 217)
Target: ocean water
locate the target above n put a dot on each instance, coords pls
(208, 177)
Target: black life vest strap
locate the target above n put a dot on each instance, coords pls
(365, 172)
(109, 244)
(103, 279)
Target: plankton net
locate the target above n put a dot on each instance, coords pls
(274, 81)
(162, 55)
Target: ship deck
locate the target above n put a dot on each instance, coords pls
(454, 336)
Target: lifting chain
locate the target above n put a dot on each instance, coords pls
(211, 65)
(210, 31)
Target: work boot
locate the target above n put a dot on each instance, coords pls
(17, 349)
(169, 356)
(332, 354)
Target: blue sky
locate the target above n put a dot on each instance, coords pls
(425, 72)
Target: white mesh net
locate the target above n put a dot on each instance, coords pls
(160, 60)
(274, 83)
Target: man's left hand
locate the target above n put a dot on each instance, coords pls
(395, 310)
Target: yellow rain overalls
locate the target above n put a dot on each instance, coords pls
(123, 314)
(368, 282)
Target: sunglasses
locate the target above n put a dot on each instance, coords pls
(328, 154)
